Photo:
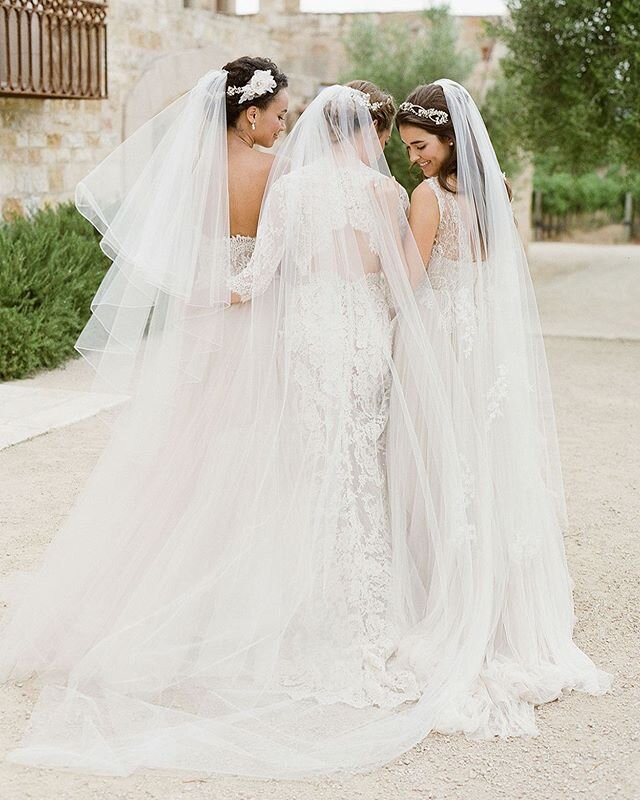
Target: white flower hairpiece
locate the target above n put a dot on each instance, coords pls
(364, 99)
(262, 81)
(436, 116)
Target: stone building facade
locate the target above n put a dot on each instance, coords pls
(156, 51)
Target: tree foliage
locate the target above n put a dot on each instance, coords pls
(398, 58)
(573, 72)
(567, 193)
(501, 113)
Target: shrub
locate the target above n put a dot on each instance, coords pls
(565, 193)
(50, 267)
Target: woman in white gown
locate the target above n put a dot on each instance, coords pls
(232, 591)
(478, 276)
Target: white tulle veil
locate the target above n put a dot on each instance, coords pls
(208, 605)
(485, 296)
(160, 201)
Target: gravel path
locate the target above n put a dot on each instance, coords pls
(588, 747)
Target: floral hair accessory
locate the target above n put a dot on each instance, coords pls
(364, 99)
(262, 82)
(434, 114)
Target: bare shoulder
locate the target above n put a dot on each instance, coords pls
(424, 195)
(424, 203)
(424, 217)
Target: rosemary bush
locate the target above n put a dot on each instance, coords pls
(50, 267)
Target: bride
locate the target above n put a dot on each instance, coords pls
(478, 281)
(231, 590)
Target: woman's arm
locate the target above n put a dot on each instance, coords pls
(424, 218)
(400, 256)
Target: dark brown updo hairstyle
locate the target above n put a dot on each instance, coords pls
(240, 73)
(382, 116)
(432, 96)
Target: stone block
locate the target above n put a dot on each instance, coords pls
(74, 173)
(8, 138)
(73, 140)
(17, 155)
(66, 121)
(91, 120)
(144, 39)
(7, 176)
(38, 139)
(50, 155)
(12, 207)
(56, 179)
(32, 180)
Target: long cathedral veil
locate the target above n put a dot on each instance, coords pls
(231, 592)
(262, 577)
(529, 655)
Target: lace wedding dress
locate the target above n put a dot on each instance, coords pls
(339, 353)
(452, 277)
(276, 620)
(283, 563)
(477, 284)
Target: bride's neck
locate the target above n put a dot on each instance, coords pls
(239, 139)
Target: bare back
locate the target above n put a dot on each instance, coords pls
(248, 174)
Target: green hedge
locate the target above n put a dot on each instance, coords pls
(564, 193)
(50, 267)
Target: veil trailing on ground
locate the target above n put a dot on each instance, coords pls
(480, 282)
(281, 567)
(232, 590)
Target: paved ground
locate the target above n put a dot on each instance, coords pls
(588, 747)
(588, 290)
(31, 407)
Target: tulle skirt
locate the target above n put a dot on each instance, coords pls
(224, 597)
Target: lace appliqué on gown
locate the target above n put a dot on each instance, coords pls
(452, 279)
(497, 394)
(241, 250)
(338, 344)
(343, 401)
(334, 205)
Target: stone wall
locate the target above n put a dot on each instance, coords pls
(157, 50)
(46, 146)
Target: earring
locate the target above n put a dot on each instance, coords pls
(253, 126)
